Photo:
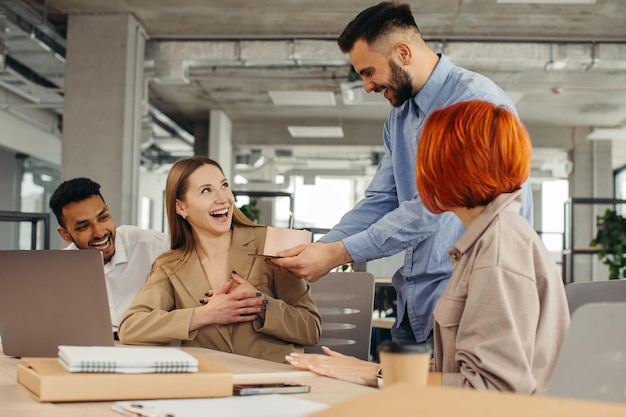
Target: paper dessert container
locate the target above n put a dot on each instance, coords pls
(278, 239)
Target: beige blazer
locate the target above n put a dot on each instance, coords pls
(162, 310)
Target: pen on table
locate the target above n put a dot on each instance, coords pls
(139, 410)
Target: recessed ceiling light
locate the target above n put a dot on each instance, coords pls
(607, 133)
(315, 131)
(302, 98)
(548, 1)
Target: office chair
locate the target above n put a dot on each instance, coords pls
(345, 301)
(592, 361)
(579, 293)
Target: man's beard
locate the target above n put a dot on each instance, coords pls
(401, 82)
(105, 260)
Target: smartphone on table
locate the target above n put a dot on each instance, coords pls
(270, 388)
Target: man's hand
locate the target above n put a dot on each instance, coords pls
(311, 261)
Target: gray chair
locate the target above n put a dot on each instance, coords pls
(592, 361)
(345, 301)
(579, 293)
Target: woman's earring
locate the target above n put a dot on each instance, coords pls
(183, 216)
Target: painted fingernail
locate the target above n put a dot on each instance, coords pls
(234, 272)
(202, 301)
(257, 316)
(229, 279)
(206, 294)
(258, 294)
(265, 301)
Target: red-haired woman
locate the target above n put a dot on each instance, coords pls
(500, 321)
(503, 315)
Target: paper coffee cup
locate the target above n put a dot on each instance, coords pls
(406, 363)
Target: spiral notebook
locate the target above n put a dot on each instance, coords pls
(130, 360)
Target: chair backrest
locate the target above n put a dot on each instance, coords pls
(579, 293)
(592, 361)
(346, 301)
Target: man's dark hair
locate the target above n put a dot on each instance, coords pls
(72, 191)
(374, 22)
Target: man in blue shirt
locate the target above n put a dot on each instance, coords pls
(387, 49)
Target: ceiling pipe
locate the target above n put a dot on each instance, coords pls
(171, 58)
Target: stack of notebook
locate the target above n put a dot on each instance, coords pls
(105, 373)
(129, 360)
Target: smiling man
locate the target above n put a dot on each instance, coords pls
(387, 49)
(127, 251)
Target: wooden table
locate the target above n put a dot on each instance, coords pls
(16, 401)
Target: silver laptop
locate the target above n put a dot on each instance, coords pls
(50, 298)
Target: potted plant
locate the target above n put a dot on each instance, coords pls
(611, 239)
(251, 211)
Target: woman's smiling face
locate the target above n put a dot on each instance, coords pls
(208, 202)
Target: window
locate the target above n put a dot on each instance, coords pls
(554, 193)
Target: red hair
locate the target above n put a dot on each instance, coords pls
(469, 153)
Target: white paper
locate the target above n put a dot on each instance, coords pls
(271, 405)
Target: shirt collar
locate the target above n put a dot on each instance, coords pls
(425, 97)
(507, 201)
(120, 256)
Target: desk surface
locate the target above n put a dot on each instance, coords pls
(16, 401)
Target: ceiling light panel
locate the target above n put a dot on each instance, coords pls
(618, 133)
(302, 98)
(315, 131)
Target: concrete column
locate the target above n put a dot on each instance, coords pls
(592, 177)
(537, 205)
(102, 112)
(221, 141)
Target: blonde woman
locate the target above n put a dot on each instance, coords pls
(208, 291)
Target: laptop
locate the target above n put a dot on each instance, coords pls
(592, 361)
(50, 298)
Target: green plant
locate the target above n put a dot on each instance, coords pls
(611, 238)
(251, 211)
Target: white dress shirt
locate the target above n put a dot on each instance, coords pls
(126, 273)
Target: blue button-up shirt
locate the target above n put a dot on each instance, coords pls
(392, 218)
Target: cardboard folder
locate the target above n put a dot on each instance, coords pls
(49, 381)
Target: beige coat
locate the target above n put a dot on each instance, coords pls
(162, 310)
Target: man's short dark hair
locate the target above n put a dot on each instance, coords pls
(374, 22)
(72, 191)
